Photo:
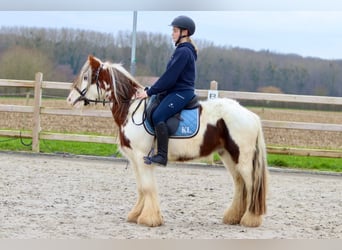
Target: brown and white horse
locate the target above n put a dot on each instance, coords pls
(226, 127)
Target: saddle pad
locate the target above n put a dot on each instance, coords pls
(188, 125)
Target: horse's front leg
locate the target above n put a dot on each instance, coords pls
(134, 214)
(150, 214)
(146, 210)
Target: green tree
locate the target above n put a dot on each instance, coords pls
(22, 63)
(60, 53)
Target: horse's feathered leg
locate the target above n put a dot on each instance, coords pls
(256, 182)
(150, 214)
(146, 210)
(236, 210)
(249, 219)
(248, 169)
(136, 210)
(134, 214)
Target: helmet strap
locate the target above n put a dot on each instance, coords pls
(180, 37)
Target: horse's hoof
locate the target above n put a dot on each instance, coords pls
(132, 218)
(151, 221)
(231, 217)
(251, 220)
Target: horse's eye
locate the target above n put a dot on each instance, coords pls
(85, 78)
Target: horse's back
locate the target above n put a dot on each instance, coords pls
(242, 123)
(229, 109)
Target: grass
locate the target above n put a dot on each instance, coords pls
(305, 162)
(100, 149)
(301, 162)
(53, 146)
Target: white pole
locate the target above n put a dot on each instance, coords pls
(134, 37)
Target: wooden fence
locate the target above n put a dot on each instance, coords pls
(37, 109)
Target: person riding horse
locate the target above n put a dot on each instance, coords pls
(177, 83)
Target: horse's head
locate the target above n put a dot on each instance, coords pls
(90, 84)
(102, 82)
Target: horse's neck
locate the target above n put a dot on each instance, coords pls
(131, 112)
(123, 90)
(121, 110)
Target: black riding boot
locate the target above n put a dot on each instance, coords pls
(162, 135)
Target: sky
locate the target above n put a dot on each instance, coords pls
(307, 30)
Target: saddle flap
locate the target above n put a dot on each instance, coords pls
(184, 125)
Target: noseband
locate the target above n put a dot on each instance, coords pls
(83, 92)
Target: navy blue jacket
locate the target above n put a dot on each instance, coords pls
(180, 72)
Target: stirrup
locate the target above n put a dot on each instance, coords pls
(147, 158)
(149, 161)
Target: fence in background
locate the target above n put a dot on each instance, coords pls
(37, 109)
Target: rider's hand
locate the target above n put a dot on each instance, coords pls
(141, 95)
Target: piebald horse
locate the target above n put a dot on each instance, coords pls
(226, 127)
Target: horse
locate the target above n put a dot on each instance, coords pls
(226, 127)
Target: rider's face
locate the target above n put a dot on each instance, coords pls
(175, 33)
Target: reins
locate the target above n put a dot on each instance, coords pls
(143, 115)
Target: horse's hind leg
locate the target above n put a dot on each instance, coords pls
(236, 210)
(249, 219)
(239, 211)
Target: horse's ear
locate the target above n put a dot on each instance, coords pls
(93, 62)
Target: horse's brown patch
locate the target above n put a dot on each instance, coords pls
(124, 141)
(217, 137)
(125, 89)
(211, 140)
(184, 158)
(103, 76)
(93, 62)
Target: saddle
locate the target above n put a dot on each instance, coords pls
(184, 124)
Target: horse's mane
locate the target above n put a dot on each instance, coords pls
(124, 84)
(124, 87)
(122, 70)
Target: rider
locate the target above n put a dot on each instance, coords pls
(178, 82)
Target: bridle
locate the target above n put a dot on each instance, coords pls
(87, 101)
(84, 91)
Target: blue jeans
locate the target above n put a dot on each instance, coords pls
(172, 104)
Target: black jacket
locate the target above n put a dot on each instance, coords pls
(180, 72)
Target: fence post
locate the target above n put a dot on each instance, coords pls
(213, 92)
(36, 111)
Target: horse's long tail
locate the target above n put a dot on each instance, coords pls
(259, 175)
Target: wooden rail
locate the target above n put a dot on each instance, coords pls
(37, 133)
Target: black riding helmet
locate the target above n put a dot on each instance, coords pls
(184, 23)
